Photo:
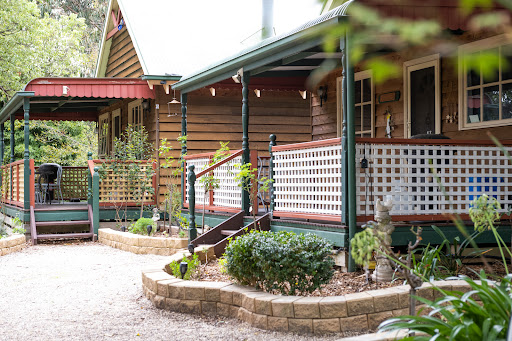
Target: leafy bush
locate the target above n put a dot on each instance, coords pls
(457, 316)
(193, 266)
(3, 231)
(140, 226)
(19, 230)
(283, 261)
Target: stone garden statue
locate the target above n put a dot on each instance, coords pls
(383, 269)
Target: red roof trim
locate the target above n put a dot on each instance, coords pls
(91, 87)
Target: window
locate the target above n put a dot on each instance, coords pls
(116, 126)
(486, 99)
(103, 133)
(364, 106)
(135, 114)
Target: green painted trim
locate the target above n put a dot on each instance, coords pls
(61, 215)
(159, 77)
(14, 104)
(96, 200)
(26, 154)
(335, 238)
(246, 157)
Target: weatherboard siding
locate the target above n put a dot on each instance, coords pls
(122, 58)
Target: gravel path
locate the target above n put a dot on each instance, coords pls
(88, 291)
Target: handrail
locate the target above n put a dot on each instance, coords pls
(306, 145)
(207, 155)
(435, 142)
(19, 162)
(220, 163)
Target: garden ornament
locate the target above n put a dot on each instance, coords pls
(383, 270)
(149, 228)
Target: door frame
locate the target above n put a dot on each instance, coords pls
(414, 65)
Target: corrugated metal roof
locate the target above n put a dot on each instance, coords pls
(90, 87)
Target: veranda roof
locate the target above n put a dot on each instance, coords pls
(73, 99)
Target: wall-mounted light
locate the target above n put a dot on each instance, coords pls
(236, 78)
(257, 92)
(303, 94)
(145, 104)
(212, 91)
(322, 93)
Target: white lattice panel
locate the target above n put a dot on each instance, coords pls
(406, 173)
(229, 194)
(308, 180)
(200, 164)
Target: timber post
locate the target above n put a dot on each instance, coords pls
(12, 155)
(26, 155)
(272, 143)
(192, 231)
(96, 200)
(344, 164)
(351, 150)
(183, 100)
(89, 182)
(2, 151)
(245, 137)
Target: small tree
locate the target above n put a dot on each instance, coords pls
(247, 179)
(209, 181)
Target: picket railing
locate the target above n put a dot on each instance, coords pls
(13, 183)
(228, 196)
(119, 188)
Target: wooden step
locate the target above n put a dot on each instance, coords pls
(227, 232)
(65, 235)
(63, 223)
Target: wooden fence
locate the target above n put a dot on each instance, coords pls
(13, 183)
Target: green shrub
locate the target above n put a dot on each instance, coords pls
(3, 231)
(193, 266)
(140, 226)
(457, 316)
(19, 230)
(283, 261)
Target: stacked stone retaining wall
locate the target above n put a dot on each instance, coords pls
(12, 244)
(348, 313)
(135, 243)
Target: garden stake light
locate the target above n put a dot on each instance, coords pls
(183, 269)
(123, 228)
(149, 228)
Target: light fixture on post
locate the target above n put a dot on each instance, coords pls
(183, 268)
(174, 101)
(322, 93)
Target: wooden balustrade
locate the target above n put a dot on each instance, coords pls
(13, 183)
(119, 187)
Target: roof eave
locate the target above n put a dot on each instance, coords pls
(14, 104)
(162, 78)
(102, 55)
(295, 43)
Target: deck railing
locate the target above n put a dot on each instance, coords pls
(307, 177)
(116, 188)
(228, 196)
(73, 182)
(13, 183)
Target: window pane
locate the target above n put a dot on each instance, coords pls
(473, 106)
(473, 70)
(506, 67)
(506, 101)
(491, 103)
(492, 74)
(357, 120)
(358, 92)
(366, 135)
(367, 117)
(367, 90)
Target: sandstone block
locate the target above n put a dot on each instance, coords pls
(163, 286)
(443, 285)
(208, 308)
(426, 291)
(159, 301)
(354, 323)
(307, 307)
(303, 326)
(401, 312)
(249, 299)
(239, 293)
(384, 299)
(159, 242)
(263, 304)
(3, 243)
(190, 307)
(245, 315)
(324, 326)
(180, 243)
(277, 323)
(172, 304)
(375, 319)
(260, 321)
(403, 295)
(359, 303)
(212, 290)
(153, 277)
(234, 311)
(192, 290)
(176, 290)
(460, 286)
(283, 306)
(223, 309)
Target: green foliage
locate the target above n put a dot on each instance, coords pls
(364, 244)
(140, 226)
(193, 266)
(19, 230)
(457, 316)
(284, 261)
(3, 231)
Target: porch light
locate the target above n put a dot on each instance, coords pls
(145, 104)
(212, 91)
(183, 269)
(149, 228)
(322, 93)
(174, 100)
(303, 94)
(257, 92)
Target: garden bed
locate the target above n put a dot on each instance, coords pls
(126, 241)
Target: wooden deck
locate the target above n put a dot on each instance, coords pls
(72, 206)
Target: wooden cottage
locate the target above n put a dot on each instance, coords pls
(401, 137)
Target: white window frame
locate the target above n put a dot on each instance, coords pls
(480, 45)
(339, 112)
(115, 113)
(414, 65)
(135, 105)
(103, 134)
